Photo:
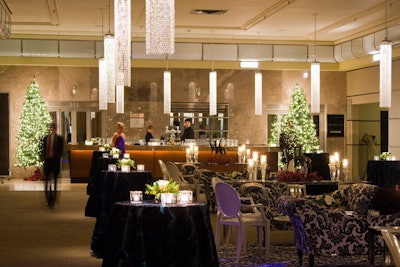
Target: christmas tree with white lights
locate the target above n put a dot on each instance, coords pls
(34, 126)
(298, 126)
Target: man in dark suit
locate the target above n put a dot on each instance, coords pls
(188, 133)
(53, 146)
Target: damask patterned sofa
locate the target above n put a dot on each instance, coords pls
(320, 228)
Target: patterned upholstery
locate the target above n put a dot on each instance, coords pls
(265, 196)
(322, 229)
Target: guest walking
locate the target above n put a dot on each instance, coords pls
(53, 146)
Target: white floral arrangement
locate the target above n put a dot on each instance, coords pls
(125, 162)
(115, 151)
(162, 186)
(107, 147)
(327, 200)
(385, 156)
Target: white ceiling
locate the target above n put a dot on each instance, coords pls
(337, 21)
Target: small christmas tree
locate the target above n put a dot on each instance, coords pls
(34, 123)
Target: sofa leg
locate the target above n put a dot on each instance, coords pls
(311, 260)
(300, 255)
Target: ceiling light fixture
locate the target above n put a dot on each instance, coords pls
(109, 57)
(167, 90)
(122, 30)
(385, 69)
(315, 75)
(258, 87)
(213, 88)
(103, 77)
(160, 27)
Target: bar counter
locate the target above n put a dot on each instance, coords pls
(80, 158)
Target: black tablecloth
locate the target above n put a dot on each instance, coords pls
(152, 235)
(385, 173)
(114, 186)
(93, 188)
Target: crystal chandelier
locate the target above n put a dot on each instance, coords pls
(122, 29)
(385, 70)
(102, 84)
(258, 93)
(167, 92)
(213, 92)
(160, 27)
(315, 73)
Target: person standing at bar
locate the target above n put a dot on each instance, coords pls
(118, 140)
(149, 134)
(188, 133)
(53, 146)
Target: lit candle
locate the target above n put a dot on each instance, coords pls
(255, 155)
(140, 167)
(127, 156)
(136, 196)
(345, 163)
(250, 163)
(248, 152)
(125, 168)
(263, 159)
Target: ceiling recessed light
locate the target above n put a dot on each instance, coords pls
(208, 11)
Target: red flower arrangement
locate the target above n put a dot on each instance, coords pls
(286, 176)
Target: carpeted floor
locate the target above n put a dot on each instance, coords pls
(33, 235)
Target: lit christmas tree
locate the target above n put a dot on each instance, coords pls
(298, 127)
(274, 135)
(34, 122)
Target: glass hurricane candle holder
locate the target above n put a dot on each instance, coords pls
(112, 167)
(105, 155)
(140, 167)
(185, 196)
(125, 168)
(127, 156)
(167, 198)
(136, 196)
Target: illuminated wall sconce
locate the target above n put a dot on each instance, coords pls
(74, 90)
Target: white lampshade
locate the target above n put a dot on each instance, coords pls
(109, 57)
(167, 92)
(102, 84)
(385, 79)
(213, 92)
(120, 92)
(258, 93)
(315, 87)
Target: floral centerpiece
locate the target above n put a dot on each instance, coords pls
(327, 200)
(115, 151)
(288, 176)
(236, 175)
(126, 162)
(162, 186)
(107, 147)
(385, 156)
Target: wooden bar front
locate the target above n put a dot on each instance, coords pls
(80, 158)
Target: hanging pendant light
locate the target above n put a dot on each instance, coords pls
(122, 29)
(315, 75)
(213, 92)
(102, 84)
(167, 92)
(109, 57)
(160, 27)
(119, 81)
(385, 70)
(258, 93)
